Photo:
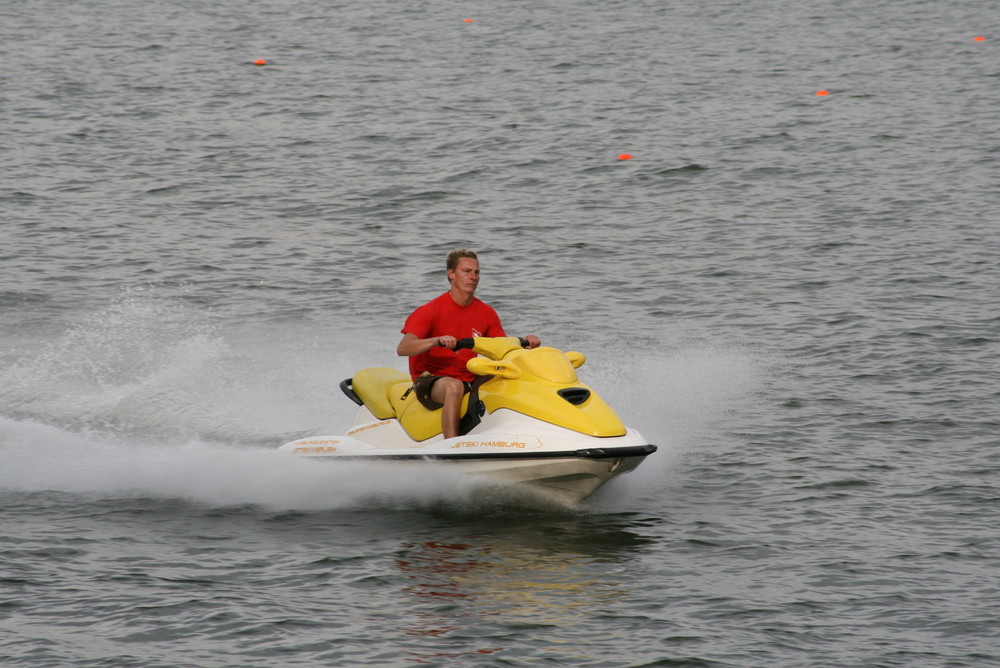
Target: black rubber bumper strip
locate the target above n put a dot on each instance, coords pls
(584, 453)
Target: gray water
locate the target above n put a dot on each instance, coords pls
(793, 295)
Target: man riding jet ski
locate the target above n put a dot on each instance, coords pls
(431, 332)
(518, 413)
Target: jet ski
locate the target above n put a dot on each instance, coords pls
(527, 420)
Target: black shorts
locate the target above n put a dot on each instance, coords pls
(422, 387)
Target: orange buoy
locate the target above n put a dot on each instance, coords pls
(468, 20)
(624, 156)
(260, 61)
(979, 38)
(821, 93)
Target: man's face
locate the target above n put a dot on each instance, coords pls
(465, 276)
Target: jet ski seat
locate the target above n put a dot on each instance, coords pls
(385, 392)
(372, 387)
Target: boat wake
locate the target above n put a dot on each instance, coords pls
(138, 402)
(42, 458)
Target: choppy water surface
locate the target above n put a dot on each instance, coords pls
(794, 295)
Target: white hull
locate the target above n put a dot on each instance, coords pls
(506, 447)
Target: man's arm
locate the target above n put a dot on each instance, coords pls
(410, 345)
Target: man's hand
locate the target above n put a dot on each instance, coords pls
(447, 341)
(533, 341)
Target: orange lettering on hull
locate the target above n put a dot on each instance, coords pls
(369, 426)
(490, 444)
(315, 449)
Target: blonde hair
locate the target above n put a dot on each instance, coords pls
(458, 254)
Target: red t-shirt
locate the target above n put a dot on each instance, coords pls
(443, 317)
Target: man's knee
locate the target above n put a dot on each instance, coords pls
(448, 389)
(454, 389)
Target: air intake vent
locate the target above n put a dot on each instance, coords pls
(575, 395)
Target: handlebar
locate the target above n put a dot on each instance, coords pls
(469, 343)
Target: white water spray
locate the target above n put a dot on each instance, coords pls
(147, 400)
